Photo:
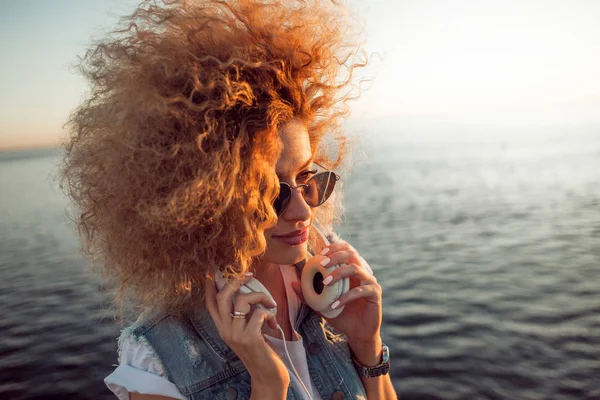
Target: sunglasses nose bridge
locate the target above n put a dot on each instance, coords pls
(300, 189)
(285, 203)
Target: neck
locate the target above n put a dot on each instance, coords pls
(269, 275)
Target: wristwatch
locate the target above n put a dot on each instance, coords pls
(377, 370)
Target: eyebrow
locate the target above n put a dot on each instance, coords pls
(306, 164)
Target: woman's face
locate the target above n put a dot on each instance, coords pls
(286, 241)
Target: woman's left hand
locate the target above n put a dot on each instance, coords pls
(361, 319)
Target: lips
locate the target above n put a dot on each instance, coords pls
(294, 238)
(293, 234)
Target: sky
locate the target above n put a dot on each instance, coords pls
(460, 59)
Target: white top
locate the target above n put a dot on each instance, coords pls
(296, 347)
(141, 371)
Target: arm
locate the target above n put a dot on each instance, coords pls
(267, 388)
(264, 392)
(369, 354)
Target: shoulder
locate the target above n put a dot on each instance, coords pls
(137, 344)
(135, 350)
(140, 369)
(148, 320)
(160, 336)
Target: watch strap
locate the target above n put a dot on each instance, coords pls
(380, 369)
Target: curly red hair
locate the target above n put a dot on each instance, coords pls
(170, 160)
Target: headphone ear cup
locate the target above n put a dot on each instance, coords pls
(318, 296)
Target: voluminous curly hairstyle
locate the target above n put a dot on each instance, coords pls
(170, 159)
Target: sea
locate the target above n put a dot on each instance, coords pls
(487, 250)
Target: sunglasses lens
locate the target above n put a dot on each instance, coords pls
(281, 202)
(319, 188)
(316, 192)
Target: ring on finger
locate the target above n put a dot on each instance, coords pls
(237, 316)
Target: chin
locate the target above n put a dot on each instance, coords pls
(286, 255)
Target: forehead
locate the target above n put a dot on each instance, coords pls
(296, 148)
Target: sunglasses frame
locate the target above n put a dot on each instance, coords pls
(336, 177)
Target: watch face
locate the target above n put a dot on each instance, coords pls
(386, 354)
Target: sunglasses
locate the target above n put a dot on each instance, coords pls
(315, 191)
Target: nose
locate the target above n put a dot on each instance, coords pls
(297, 209)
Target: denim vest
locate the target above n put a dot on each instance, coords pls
(202, 366)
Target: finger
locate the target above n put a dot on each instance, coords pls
(365, 264)
(337, 246)
(349, 271)
(243, 302)
(339, 257)
(297, 286)
(210, 291)
(371, 293)
(356, 258)
(259, 317)
(225, 295)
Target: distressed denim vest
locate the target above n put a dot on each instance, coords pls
(202, 366)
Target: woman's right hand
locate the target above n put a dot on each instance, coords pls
(244, 335)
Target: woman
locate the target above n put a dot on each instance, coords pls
(201, 149)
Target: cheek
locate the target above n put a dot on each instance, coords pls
(271, 243)
(274, 246)
(268, 234)
(271, 231)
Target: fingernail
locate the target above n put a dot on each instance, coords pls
(327, 280)
(325, 251)
(335, 304)
(325, 261)
(249, 273)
